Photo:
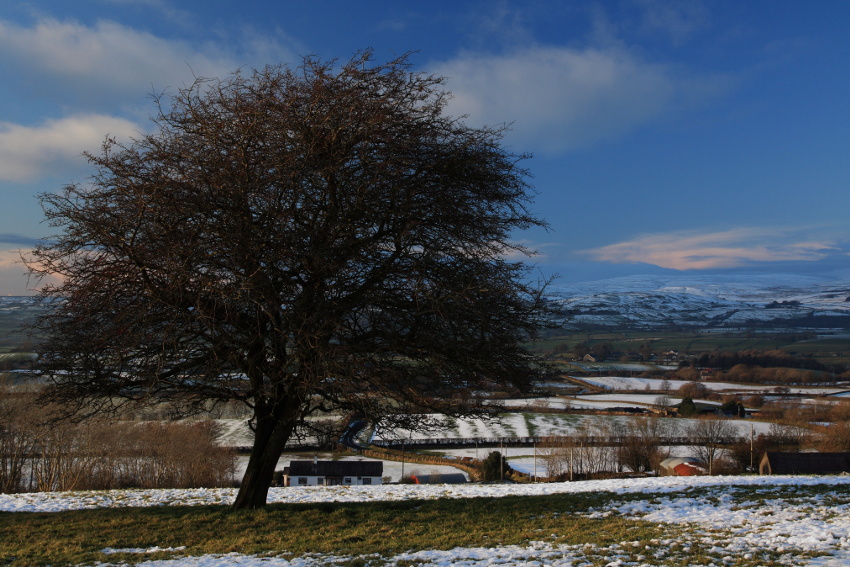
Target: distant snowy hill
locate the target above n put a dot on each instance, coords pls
(693, 301)
(707, 301)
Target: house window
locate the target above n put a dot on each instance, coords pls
(302, 480)
(367, 481)
(347, 481)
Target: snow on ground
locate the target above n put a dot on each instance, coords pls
(586, 402)
(633, 399)
(528, 424)
(636, 383)
(812, 529)
(80, 500)
(532, 404)
(508, 425)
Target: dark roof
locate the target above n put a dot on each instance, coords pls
(336, 468)
(807, 463)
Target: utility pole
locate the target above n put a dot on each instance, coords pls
(501, 460)
(752, 462)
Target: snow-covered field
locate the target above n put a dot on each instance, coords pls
(730, 517)
(600, 402)
(639, 384)
(546, 424)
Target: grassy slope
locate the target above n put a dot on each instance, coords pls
(354, 530)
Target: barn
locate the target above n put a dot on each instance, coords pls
(775, 462)
(681, 466)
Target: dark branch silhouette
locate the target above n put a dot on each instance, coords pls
(300, 240)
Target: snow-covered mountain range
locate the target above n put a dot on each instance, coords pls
(776, 301)
(690, 301)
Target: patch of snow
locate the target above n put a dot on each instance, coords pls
(640, 384)
(734, 524)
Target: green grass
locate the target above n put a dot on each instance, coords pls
(363, 533)
(76, 537)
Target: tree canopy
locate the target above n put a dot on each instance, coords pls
(300, 240)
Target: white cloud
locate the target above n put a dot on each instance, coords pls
(562, 98)
(27, 153)
(109, 59)
(98, 73)
(726, 249)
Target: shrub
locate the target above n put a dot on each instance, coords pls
(687, 407)
(494, 467)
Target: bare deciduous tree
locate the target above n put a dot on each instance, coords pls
(298, 240)
(16, 438)
(708, 435)
(641, 445)
(663, 403)
(587, 452)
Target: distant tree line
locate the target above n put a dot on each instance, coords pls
(763, 358)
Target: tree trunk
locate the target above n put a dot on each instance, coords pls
(269, 441)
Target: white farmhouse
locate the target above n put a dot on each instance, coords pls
(331, 473)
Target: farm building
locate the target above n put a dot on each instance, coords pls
(330, 473)
(774, 462)
(681, 466)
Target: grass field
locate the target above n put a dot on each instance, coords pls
(591, 529)
(349, 529)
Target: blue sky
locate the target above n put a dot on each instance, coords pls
(677, 136)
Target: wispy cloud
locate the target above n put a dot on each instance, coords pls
(561, 98)
(97, 62)
(27, 153)
(725, 249)
(18, 239)
(102, 75)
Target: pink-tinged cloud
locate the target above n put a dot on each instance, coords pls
(13, 275)
(727, 249)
